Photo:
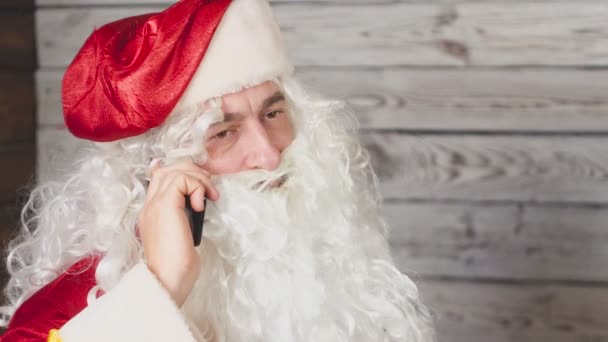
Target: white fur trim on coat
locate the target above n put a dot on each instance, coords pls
(137, 309)
(246, 49)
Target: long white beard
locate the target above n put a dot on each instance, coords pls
(299, 262)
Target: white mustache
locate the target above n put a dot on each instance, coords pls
(271, 184)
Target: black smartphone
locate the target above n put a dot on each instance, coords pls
(196, 220)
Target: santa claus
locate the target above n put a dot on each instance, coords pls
(199, 102)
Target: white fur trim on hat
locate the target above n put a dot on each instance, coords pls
(247, 49)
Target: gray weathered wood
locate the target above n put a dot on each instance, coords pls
(56, 149)
(307, 29)
(465, 99)
(522, 313)
(436, 99)
(48, 96)
(500, 241)
(407, 34)
(518, 168)
(522, 168)
(500, 246)
(478, 167)
(533, 33)
(489, 242)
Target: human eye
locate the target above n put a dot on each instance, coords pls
(221, 139)
(221, 132)
(222, 135)
(273, 114)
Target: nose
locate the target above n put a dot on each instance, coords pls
(261, 153)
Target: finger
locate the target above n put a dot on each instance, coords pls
(197, 200)
(184, 165)
(209, 189)
(160, 173)
(176, 188)
(191, 184)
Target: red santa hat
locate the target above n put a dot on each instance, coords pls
(130, 75)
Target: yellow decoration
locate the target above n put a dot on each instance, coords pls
(54, 336)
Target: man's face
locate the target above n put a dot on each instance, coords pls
(255, 130)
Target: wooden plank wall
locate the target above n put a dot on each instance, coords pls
(487, 122)
(17, 112)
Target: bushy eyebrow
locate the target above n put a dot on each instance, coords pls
(274, 98)
(269, 101)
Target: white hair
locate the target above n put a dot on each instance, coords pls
(93, 210)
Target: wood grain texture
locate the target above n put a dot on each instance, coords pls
(17, 40)
(470, 100)
(48, 96)
(441, 100)
(495, 168)
(503, 242)
(501, 213)
(500, 241)
(17, 114)
(9, 227)
(531, 33)
(460, 167)
(8, 231)
(523, 313)
(17, 107)
(492, 241)
(470, 33)
(16, 4)
(56, 149)
(17, 170)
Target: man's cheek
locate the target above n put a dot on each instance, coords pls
(222, 163)
(286, 135)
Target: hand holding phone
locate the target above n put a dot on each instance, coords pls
(196, 220)
(170, 224)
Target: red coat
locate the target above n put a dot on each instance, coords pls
(53, 305)
(138, 308)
